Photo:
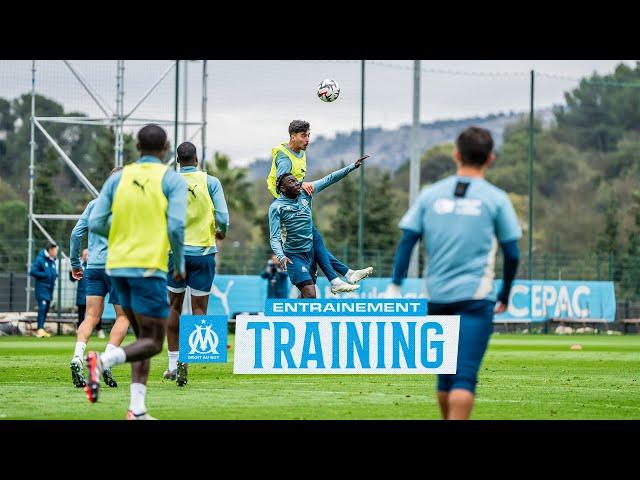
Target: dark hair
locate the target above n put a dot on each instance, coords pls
(280, 178)
(152, 138)
(298, 126)
(186, 152)
(50, 245)
(475, 145)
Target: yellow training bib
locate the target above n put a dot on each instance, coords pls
(200, 226)
(298, 167)
(138, 236)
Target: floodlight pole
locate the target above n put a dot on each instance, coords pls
(414, 170)
(204, 116)
(362, 184)
(32, 169)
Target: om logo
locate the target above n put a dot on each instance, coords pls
(203, 340)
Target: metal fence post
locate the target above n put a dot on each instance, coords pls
(176, 110)
(611, 266)
(532, 154)
(59, 293)
(362, 182)
(414, 161)
(11, 292)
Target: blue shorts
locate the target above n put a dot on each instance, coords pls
(300, 270)
(201, 270)
(144, 295)
(99, 284)
(476, 326)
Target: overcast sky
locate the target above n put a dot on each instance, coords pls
(250, 103)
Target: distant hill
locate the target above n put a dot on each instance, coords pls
(390, 148)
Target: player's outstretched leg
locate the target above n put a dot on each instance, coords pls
(330, 265)
(354, 276)
(321, 258)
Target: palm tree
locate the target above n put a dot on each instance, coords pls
(237, 188)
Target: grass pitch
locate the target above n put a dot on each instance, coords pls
(522, 377)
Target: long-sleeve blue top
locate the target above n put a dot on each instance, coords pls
(510, 251)
(44, 271)
(175, 189)
(97, 243)
(291, 220)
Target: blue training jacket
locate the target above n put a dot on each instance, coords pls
(44, 271)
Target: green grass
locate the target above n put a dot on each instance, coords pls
(522, 377)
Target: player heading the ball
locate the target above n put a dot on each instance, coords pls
(291, 212)
(291, 158)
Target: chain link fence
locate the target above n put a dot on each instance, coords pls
(236, 260)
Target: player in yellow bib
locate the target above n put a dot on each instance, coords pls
(291, 158)
(207, 220)
(141, 210)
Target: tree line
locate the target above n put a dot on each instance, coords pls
(586, 192)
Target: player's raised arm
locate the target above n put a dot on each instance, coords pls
(336, 176)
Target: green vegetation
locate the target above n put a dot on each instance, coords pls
(522, 377)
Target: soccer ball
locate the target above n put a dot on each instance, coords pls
(328, 90)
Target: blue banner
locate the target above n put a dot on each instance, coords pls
(345, 307)
(535, 301)
(538, 301)
(203, 338)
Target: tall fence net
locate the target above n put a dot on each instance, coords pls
(582, 209)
